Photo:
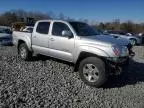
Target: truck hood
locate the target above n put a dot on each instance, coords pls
(106, 40)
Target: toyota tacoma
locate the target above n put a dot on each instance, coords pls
(94, 55)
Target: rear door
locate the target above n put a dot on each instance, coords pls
(61, 46)
(40, 38)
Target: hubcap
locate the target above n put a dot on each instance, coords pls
(23, 52)
(91, 72)
(133, 42)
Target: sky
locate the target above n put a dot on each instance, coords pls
(99, 10)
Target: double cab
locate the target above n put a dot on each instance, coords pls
(94, 55)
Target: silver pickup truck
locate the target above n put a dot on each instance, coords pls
(95, 56)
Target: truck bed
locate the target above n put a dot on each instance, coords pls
(19, 35)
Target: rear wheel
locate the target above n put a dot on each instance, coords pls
(24, 53)
(92, 71)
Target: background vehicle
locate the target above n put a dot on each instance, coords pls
(142, 36)
(27, 29)
(26, 24)
(94, 55)
(133, 39)
(17, 26)
(5, 37)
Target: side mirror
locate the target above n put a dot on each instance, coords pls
(67, 33)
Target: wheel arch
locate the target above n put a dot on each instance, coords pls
(19, 43)
(133, 39)
(23, 42)
(84, 55)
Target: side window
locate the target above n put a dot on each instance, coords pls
(58, 27)
(43, 27)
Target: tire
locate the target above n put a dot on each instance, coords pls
(133, 41)
(24, 52)
(92, 72)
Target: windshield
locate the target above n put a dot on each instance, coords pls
(83, 29)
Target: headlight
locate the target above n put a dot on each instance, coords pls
(120, 51)
(116, 50)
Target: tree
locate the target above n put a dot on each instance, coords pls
(8, 18)
(19, 15)
(102, 26)
(116, 24)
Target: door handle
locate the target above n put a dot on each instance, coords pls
(52, 39)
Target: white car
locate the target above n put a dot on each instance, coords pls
(27, 29)
(134, 40)
(5, 37)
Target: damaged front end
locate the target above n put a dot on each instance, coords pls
(117, 65)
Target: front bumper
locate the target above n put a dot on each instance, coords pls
(117, 59)
(117, 65)
(131, 53)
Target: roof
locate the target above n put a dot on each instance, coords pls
(56, 20)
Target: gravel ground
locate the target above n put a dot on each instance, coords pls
(139, 51)
(45, 82)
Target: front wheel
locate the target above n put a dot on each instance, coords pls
(133, 41)
(92, 71)
(24, 53)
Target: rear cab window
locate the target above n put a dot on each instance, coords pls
(43, 27)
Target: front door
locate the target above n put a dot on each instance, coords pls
(61, 46)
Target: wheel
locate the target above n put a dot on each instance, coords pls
(24, 53)
(92, 71)
(133, 41)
